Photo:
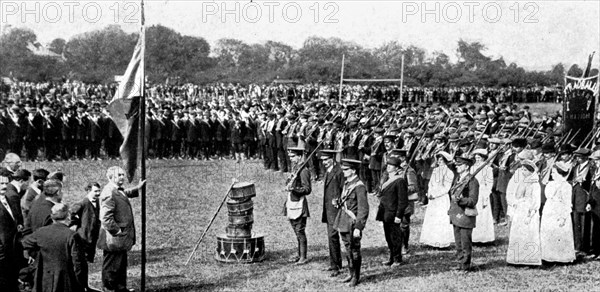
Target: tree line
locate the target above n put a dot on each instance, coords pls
(97, 56)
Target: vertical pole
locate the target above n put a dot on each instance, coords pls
(341, 79)
(142, 149)
(402, 79)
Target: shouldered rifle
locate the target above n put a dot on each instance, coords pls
(297, 172)
(460, 185)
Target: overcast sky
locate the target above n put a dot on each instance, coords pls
(535, 35)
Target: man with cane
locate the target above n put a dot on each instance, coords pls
(353, 211)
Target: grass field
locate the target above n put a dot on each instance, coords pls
(183, 195)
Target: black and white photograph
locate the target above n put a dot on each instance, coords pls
(170, 145)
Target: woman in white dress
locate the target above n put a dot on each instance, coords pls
(437, 230)
(484, 229)
(524, 238)
(556, 231)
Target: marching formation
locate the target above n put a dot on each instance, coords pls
(69, 120)
(474, 169)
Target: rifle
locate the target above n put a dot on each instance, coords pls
(417, 149)
(478, 139)
(297, 172)
(459, 186)
(571, 140)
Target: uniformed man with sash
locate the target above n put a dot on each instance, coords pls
(296, 206)
(353, 211)
(410, 176)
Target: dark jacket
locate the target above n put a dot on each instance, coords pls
(333, 185)
(86, 217)
(10, 246)
(393, 200)
(301, 187)
(354, 197)
(61, 265)
(468, 199)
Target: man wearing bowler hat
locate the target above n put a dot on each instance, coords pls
(332, 190)
(462, 212)
(353, 211)
(393, 200)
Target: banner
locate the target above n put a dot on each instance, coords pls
(579, 106)
(125, 107)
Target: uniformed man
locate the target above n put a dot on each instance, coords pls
(296, 205)
(353, 211)
(462, 211)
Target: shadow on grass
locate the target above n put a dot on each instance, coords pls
(152, 255)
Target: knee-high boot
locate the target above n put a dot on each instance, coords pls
(350, 271)
(356, 263)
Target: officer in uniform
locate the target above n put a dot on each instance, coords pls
(462, 212)
(353, 211)
(296, 205)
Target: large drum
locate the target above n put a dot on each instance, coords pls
(240, 250)
(238, 208)
(239, 231)
(242, 191)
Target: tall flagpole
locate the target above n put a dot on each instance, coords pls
(402, 79)
(142, 147)
(341, 79)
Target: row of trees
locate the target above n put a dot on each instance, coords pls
(97, 56)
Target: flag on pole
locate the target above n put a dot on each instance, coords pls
(125, 106)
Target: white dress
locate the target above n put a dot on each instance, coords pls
(484, 227)
(524, 238)
(437, 230)
(556, 231)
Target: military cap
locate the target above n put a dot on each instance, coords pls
(566, 148)
(327, 153)
(535, 143)
(440, 136)
(419, 132)
(296, 150)
(394, 161)
(460, 160)
(445, 155)
(509, 118)
(582, 152)
(495, 140)
(519, 142)
(378, 130)
(350, 163)
(548, 148)
(400, 152)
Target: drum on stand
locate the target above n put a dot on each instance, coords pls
(240, 250)
(240, 208)
(242, 191)
(241, 220)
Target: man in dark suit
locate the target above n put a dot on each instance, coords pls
(81, 132)
(85, 215)
(334, 182)
(462, 212)
(393, 197)
(33, 191)
(61, 255)
(353, 211)
(18, 184)
(11, 224)
(95, 133)
(117, 232)
(39, 215)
